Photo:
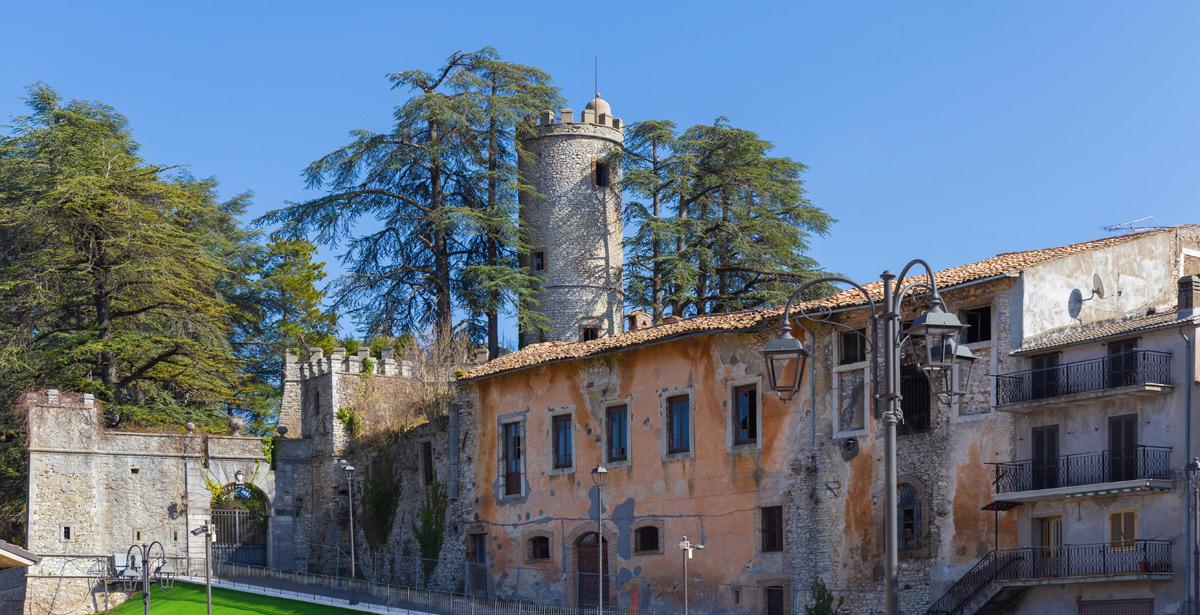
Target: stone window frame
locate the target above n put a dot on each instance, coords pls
(663, 396)
(962, 316)
(66, 533)
(731, 409)
(528, 539)
(862, 366)
(557, 412)
(657, 524)
(533, 261)
(758, 528)
(507, 419)
(594, 322)
(780, 582)
(613, 402)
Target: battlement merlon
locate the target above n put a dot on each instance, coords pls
(590, 123)
(339, 362)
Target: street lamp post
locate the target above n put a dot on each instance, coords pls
(685, 548)
(208, 533)
(143, 552)
(599, 473)
(934, 339)
(349, 469)
(1192, 583)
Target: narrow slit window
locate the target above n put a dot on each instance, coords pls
(427, 462)
(539, 260)
(603, 174)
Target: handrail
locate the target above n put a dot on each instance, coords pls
(1132, 367)
(1058, 561)
(1077, 469)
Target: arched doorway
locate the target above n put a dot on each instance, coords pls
(239, 515)
(587, 581)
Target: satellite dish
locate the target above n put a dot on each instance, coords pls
(1097, 286)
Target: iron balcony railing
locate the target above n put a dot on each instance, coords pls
(1084, 469)
(1118, 370)
(1012, 566)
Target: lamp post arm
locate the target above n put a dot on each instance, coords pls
(933, 289)
(793, 299)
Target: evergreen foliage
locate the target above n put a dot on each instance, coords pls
(439, 188)
(429, 529)
(823, 600)
(718, 223)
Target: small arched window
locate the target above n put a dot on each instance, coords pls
(539, 548)
(909, 510)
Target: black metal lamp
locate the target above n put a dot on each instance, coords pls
(961, 356)
(786, 358)
(931, 334)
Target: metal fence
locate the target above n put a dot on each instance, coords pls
(1084, 469)
(1029, 563)
(1117, 370)
(390, 597)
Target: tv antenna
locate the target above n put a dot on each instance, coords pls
(1128, 226)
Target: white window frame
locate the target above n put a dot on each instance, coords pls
(838, 370)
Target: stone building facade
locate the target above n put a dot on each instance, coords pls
(541, 418)
(570, 216)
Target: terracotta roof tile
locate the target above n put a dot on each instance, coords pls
(1001, 264)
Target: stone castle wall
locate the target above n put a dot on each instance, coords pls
(94, 492)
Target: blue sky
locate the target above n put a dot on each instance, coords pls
(1017, 124)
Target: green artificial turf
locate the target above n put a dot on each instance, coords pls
(188, 599)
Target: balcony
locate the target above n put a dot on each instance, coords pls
(1136, 372)
(1056, 565)
(1142, 468)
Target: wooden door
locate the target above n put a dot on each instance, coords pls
(1045, 457)
(588, 582)
(1122, 447)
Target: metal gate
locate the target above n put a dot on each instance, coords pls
(241, 536)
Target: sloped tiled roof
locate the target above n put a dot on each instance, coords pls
(748, 320)
(1101, 331)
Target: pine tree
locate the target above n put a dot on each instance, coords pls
(649, 178)
(110, 273)
(435, 187)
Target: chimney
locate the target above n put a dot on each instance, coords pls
(1189, 293)
(479, 356)
(637, 320)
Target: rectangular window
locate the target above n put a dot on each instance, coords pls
(512, 458)
(66, 533)
(979, 325)
(602, 174)
(539, 261)
(589, 333)
(1122, 363)
(852, 347)
(562, 441)
(427, 462)
(1043, 378)
(745, 414)
(616, 423)
(679, 426)
(1122, 530)
(772, 528)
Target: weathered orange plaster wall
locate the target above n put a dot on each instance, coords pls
(712, 496)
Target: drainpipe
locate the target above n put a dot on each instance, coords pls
(1189, 533)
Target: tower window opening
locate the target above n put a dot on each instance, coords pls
(589, 333)
(539, 260)
(602, 174)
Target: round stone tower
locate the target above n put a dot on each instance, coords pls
(571, 221)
